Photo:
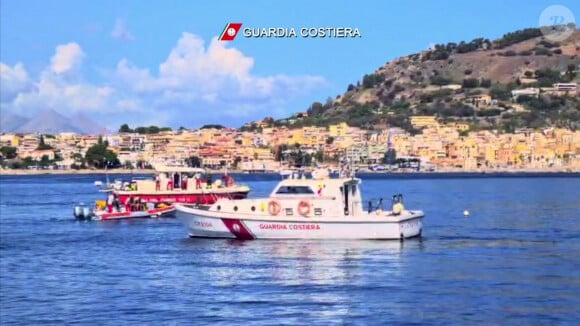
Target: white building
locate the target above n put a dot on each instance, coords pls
(526, 91)
(565, 87)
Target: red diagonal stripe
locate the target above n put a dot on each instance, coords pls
(230, 32)
(238, 229)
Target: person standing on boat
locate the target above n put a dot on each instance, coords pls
(208, 180)
(176, 182)
(184, 182)
(157, 183)
(197, 181)
(116, 202)
(110, 201)
(129, 204)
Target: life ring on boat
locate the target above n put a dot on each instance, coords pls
(304, 208)
(274, 207)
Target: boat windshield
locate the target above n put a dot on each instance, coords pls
(293, 190)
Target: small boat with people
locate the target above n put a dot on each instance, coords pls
(318, 207)
(177, 184)
(112, 209)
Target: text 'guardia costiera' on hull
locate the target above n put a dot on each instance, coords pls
(306, 32)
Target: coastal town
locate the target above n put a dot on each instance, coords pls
(439, 148)
(506, 105)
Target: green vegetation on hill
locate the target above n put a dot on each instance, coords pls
(42, 145)
(143, 130)
(100, 156)
(440, 82)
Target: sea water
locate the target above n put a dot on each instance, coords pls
(515, 259)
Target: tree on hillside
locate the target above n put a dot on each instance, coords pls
(212, 126)
(390, 157)
(42, 145)
(9, 152)
(370, 81)
(440, 80)
(516, 37)
(470, 83)
(99, 156)
(44, 161)
(486, 83)
(79, 161)
(547, 77)
(147, 130)
(316, 109)
(125, 128)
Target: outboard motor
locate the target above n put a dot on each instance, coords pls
(87, 212)
(82, 212)
(78, 212)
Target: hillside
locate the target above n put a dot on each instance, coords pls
(451, 81)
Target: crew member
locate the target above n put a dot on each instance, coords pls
(110, 201)
(184, 182)
(197, 181)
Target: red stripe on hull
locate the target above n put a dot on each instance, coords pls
(203, 199)
(237, 228)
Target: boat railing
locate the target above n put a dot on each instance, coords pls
(374, 204)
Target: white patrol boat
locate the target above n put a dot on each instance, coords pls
(303, 208)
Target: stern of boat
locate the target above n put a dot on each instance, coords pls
(411, 224)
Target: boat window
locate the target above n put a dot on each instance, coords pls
(293, 190)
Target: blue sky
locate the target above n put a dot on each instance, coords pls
(157, 62)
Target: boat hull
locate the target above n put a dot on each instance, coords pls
(183, 198)
(233, 227)
(150, 213)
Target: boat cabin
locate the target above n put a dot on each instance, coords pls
(341, 195)
(297, 195)
(169, 178)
